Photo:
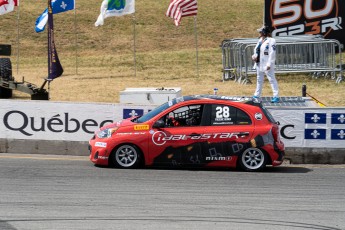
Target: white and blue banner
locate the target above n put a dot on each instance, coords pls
(59, 6)
(44, 120)
(60, 121)
(312, 128)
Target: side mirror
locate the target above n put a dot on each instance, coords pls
(159, 124)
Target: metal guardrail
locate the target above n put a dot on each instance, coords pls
(298, 54)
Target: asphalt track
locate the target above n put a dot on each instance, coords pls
(65, 192)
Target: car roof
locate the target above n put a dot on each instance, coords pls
(215, 98)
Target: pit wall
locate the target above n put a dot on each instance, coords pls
(311, 135)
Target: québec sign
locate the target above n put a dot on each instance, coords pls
(317, 17)
(16, 120)
(59, 121)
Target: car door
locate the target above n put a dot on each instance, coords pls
(176, 141)
(231, 129)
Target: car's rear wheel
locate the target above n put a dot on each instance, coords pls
(253, 159)
(127, 156)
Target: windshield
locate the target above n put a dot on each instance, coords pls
(152, 113)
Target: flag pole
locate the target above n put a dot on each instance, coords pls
(134, 48)
(18, 34)
(76, 39)
(196, 46)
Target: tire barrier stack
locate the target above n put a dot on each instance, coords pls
(298, 54)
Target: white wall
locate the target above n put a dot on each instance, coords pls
(61, 121)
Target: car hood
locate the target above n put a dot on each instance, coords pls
(122, 123)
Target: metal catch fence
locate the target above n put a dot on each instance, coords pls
(299, 54)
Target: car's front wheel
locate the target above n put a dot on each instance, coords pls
(127, 156)
(253, 159)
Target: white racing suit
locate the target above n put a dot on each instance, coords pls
(267, 57)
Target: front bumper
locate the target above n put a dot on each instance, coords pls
(99, 155)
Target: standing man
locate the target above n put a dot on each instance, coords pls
(264, 57)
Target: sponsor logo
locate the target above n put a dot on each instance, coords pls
(135, 133)
(305, 17)
(258, 116)
(101, 144)
(160, 138)
(218, 158)
(19, 121)
(141, 127)
(103, 157)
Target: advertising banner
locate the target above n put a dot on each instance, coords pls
(317, 17)
(313, 128)
(40, 120)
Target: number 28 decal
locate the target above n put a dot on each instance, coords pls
(222, 112)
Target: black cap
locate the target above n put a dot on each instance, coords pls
(265, 30)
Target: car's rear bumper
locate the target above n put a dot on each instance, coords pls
(279, 148)
(276, 152)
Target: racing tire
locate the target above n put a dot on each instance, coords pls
(6, 74)
(127, 156)
(253, 160)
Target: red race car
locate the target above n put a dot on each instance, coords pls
(201, 131)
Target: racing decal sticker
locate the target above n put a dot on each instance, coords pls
(315, 118)
(319, 134)
(216, 156)
(128, 113)
(201, 153)
(258, 116)
(141, 127)
(101, 144)
(223, 115)
(103, 157)
(160, 138)
(135, 133)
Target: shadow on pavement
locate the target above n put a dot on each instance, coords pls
(5, 226)
(289, 169)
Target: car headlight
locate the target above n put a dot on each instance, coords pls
(106, 133)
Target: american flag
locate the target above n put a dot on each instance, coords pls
(7, 6)
(181, 8)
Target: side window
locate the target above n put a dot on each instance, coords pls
(228, 115)
(243, 118)
(184, 116)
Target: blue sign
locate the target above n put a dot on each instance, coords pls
(338, 134)
(338, 118)
(315, 118)
(127, 113)
(316, 134)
